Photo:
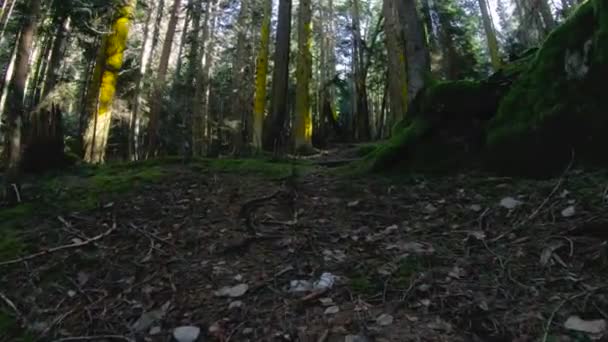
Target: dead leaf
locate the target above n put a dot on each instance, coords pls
(412, 247)
(476, 208)
(597, 326)
(145, 321)
(353, 203)
(429, 208)
(233, 292)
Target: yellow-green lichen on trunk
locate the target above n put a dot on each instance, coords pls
(303, 121)
(107, 70)
(260, 78)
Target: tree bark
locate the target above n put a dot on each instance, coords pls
(419, 62)
(57, 54)
(397, 63)
(259, 103)
(109, 63)
(361, 106)
(303, 116)
(15, 113)
(274, 135)
(239, 108)
(491, 40)
(157, 88)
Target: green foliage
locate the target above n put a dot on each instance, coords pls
(10, 330)
(550, 111)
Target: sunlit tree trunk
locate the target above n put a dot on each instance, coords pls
(9, 70)
(492, 42)
(7, 12)
(38, 65)
(201, 94)
(182, 42)
(303, 115)
(239, 107)
(144, 61)
(417, 50)
(15, 110)
(109, 63)
(397, 66)
(159, 83)
(273, 136)
(261, 74)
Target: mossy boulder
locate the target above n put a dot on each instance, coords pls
(558, 108)
(444, 126)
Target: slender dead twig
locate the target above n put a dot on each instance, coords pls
(10, 304)
(59, 248)
(537, 211)
(95, 338)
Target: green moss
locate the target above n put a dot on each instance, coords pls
(546, 114)
(10, 330)
(259, 167)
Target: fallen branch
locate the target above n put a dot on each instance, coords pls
(60, 248)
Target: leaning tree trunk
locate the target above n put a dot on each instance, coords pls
(259, 103)
(303, 117)
(274, 135)
(488, 26)
(15, 113)
(109, 63)
(157, 90)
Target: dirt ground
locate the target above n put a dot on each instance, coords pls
(468, 257)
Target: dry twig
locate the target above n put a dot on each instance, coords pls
(60, 248)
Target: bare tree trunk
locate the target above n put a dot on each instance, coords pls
(57, 54)
(15, 114)
(7, 13)
(182, 42)
(238, 112)
(274, 135)
(419, 63)
(144, 61)
(361, 113)
(397, 63)
(488, 26)
(259, 104)
(303, 117)
(157, 91)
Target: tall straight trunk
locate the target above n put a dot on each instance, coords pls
(200, 105)
(8, 71)
(259, 103)
(144, 61)
(303, 115)
(7, 13)
(182, 42)
(273, 137)
(36, 78)
(239, 92)
(157, 91)
(488, 26)
(361, 108)
(109, 63)
(397, 63)
(57, 54)
(419, 61)
(15, 110)
(160, 13)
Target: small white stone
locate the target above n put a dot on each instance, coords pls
(235, 305)
(384, 320)
(332, 310)
(186, 333)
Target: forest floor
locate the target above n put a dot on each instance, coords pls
(235, 248)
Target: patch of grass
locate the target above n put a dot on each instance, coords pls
(259, 167)
(10, 331)
(408, 268)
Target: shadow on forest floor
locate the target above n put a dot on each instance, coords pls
(136, 250)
